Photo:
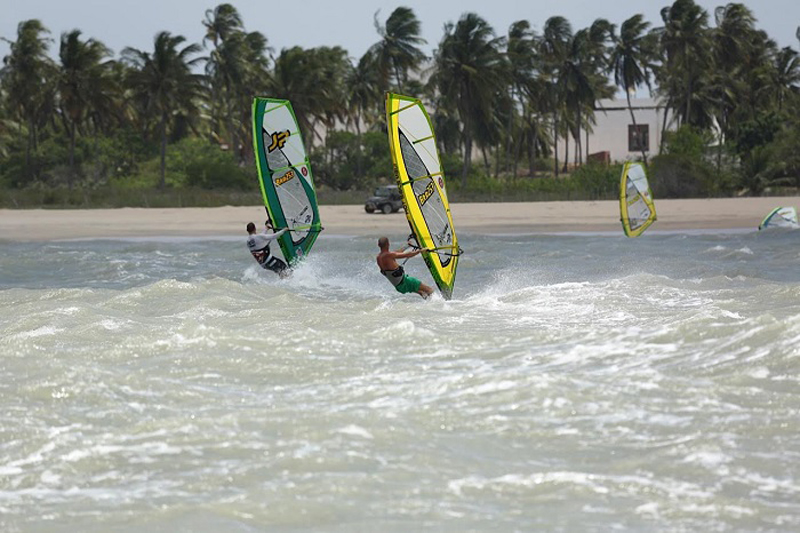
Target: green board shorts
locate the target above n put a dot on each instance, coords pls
(409, 284)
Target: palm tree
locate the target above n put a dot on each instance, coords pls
(8, 127)
(28, 78)
(163, 85)
(590, 57)
(318, 96)
(522, 61)
(236, 68)
(631, 60)
(470, 70)
(684, 41)
(221, 22)
(224, 68)
(787, 72)
(573, 67)
(736, 54)
(363, 93)
(398, 50)
(553, 50)
(83, 83)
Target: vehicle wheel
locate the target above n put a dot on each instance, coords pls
(369, 209)
(387, 208)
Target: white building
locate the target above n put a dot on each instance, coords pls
(615, 133)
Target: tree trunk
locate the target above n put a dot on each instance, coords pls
(517, 145)
(663, 130)
(232, 133)
(689, 87)
(28, 153)
(587, 144)
(509, 145)
(359, 152)
(565, 168)
(397, 76)
(71, 154)
(578, 147)
(635, 127)
(555, 142)
(719, 152)
(34, 158)
(163, 180)
(497, 157)
(467, 159)
(531, 150)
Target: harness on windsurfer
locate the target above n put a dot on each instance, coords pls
(396, 276)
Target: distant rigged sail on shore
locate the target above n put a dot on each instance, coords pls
(284, 172)
(636, 207)
(780, 217)
(421, 181)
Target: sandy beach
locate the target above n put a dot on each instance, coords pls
(479, 218)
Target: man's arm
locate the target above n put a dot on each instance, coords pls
(273, 236)
(412, 253)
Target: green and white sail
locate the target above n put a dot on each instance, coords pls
(636, 207)
(284, 172)
(780, 217)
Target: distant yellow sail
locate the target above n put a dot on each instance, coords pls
(421, 180)
(636, 207)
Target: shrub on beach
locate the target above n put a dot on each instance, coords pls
(196, 162)
(684, 170)
(351, 162)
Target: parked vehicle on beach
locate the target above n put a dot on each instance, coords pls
(386, 199)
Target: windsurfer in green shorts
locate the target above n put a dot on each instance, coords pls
(403, 283)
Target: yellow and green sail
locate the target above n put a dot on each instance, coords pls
(421, 180)
(284, 172)
(636, 207)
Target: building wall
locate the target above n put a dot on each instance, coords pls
(612, 129)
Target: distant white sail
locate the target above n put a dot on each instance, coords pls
(780, 217)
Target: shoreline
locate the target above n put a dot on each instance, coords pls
(351, 220)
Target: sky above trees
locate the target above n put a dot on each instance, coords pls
(346, 23)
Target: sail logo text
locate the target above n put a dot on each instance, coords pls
(286, 177)
(427, 193)
(278, 140)
(633, 200)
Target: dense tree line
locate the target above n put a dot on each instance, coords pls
(179, 113)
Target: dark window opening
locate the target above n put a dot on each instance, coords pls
(639, 138)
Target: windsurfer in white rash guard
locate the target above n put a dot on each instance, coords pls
(258, 244)
(403, 283)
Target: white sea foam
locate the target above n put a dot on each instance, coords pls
(174, 385)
